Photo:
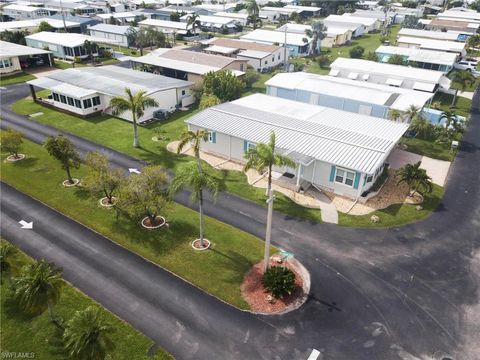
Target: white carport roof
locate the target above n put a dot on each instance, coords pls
(221, 49)
(8, 49)
(350, 140)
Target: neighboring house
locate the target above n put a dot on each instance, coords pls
(424, 59)
(32, 25)
(64, 45)
(334, 36)
(370, 23)
(214, 23)
(334, 150)
(374, 14)
(402, 12)
(465, 15)
(165, 12)
(430, 44)
(84, 22)
(26, 12)
(169, 27)
(259, 56)
(213, 8)
(88, 90)
(122, 17)
(305, 11)
(345, 94)
(462, 26)
(77, 7)
(115, 33)
(188, 65)
(240, 18)
(434, 35)
(388, 74)
(12, 54)
(297, 43)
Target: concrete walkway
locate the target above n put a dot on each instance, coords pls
(466, 94)
(436, 169)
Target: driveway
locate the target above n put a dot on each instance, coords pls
(402, 293)
(436, 169)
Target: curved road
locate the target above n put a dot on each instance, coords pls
(403, 293)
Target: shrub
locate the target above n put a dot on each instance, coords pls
(298, 64)
(279, 281)
(250, 77)
(323, 61)
(356, 52)
(133, 52)
(372, 56)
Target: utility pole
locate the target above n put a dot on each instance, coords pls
(63, 16)
(268, 235)
(285, 48)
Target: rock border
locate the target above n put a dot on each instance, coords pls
(201, 249)
(12, 158)
(67, 184)
(153, 227)
(107, 205)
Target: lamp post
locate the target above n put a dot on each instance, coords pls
(268, 235)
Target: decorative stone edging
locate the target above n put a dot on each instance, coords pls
(12, 158)
(416, 199)
(153, 227)
(198, 248)
(66, 183)
(107, 204)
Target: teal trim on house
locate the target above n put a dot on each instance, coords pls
(245, 146)
(214, 137)
(332, 173)
(357, 180)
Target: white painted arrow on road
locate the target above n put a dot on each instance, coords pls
(136, 171)
(26, 225)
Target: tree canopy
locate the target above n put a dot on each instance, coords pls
(223, 84)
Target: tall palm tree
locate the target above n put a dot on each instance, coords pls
(416, 178)
(394, 114)
(190, 176)
(463, 80)
(317, 33)
(193, 20)
(194, 138)
(252, 7)
(136, 104)
(422, 127)
(38, 288)
(255, 21)
(90, 47)
(262, 158)
(451, 120)
(87, 335)
(412, 112)
(6, 253)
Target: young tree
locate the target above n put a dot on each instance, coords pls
(356, 52)
(317, 33)
(45, 26)
(416, 178)
(451, 121)
(7, 251)
(64, 151)
(192, 177)
(175, 16)
(195, 139)
(372, 56)
(87, 335)
(422, 128)
(17, 37)
(136, 104)
(208, 100)
(250, 77)
(412, 112)
(255, 21)
(90, 48)
(11, 142)
(253, 12)
(193, 20)
(397, 59)
(323, 61)
(462, 79)
(39, 287)
(394, 114)
(223, 84)
(262, 158)
(145, 193)
(103, 179)
(473, 42)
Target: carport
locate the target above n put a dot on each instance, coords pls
(11, 54)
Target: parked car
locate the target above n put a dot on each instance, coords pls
(468, 65)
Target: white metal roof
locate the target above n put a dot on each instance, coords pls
(350, 140)
(221, 49)
(8, 49)
(300, 8)
(365, 21)
(206, 19)
(33, 23)
(110, 80)
(67, 39)
(24, 8)
(455, 14)
(112, 29)
(294, 28)
(433, 44)
(254, 54)
(395, 98)
(232, 15)
(117, 15)
(165, 24)
(271, 37)
(420, 55)
(439, 35)
(72, 90)
(389, 70)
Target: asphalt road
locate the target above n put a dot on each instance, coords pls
(398, 293)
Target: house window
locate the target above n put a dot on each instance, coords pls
(251, 146)
(78, 103)
(96, 100)
(273, 59)
(266, 62)
(344, 177)
(369, 178)
(70, 101)
(55, 97)
(87, 103)
(212, 137)
(63, 99)
(183, 92)
(278, 56)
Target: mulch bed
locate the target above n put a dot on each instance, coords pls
(254, 293)
(156, 222)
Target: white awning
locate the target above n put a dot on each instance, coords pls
(353, 75)
(423, 86)
(365, 77)
(394, 82)
(334, 72)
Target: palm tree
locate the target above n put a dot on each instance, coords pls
(87, 335)
(193, 20)
(262, 158)
(412, 112)
(255, 21)
(463, 79)
(253, 12)
(136, 104)
(189, 137)
(422, 127)
(394, 114)
(316, 33)
(38, 288)
(451, 120)
(89, 48)
(6, 253)
(190, 176)
(416, 178)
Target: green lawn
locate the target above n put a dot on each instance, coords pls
(117, 134)
(219, 271)
(22, 333)
(15, 79)
(122, 49)
(462, 105)
(395, 215)
(428, 148)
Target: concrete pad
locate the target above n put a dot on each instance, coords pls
(436, 169)
(466, 94)
(42, 71)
